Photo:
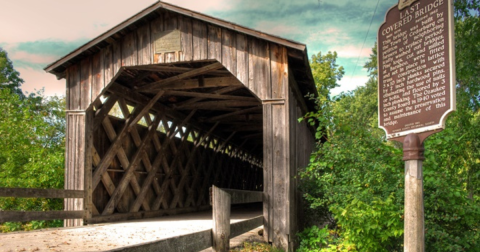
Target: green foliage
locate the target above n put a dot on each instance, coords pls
(313, 239)
(326, 72)
(9, 77)
(32, 131)
(257, 247)
(357, 176)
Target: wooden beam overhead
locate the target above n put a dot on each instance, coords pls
(147, 108)
(174, 69)
(217, 105)
(219, 91)
(240, 112)
(210, 96)
(207, 83)
(167, 82)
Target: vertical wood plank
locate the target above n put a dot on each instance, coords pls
(88, 203)
(215, 43)
(85, 83)
(68, 162)
(68, 89)
(281, 178)
(117, 57)
(74, 85)
(185, 26)
(129, 50)
(98, 81)
(108, 64)
(171, 23)
(279, 68)
(200, 44)
(75, 163)
(229, 50)
(221, 220)
(259, 68)
(143, 45)
(268, 188)
(156, 26)
(242, 58)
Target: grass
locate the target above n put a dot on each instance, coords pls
(256, 247)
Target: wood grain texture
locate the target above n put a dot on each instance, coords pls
(229, 51)
(259, 68)
(200, 40)
(268, 189)
(145, 55)
(85, 83)
(242, 58)
(279, 68)
(40, 193)
(98, 75)
(156, 27)
(129, 50)
(108, 64)
(281, 177)
(14, 216)
(221, 220)
(214, 42)
(186, 28)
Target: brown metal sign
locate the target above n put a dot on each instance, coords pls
(416, 67)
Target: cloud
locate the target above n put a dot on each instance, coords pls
(349, 83)
(38, 54)
(43, 33)
(50, 46)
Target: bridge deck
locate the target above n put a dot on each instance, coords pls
(108, 236)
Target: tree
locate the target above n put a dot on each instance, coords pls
(9, 77)
(358, 176)
(326, 72)
(32, 132)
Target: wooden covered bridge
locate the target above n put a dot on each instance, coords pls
(170, 102)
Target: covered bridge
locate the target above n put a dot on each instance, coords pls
(171, 102)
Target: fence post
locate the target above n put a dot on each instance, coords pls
(221, 219)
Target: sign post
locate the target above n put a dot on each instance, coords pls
(416, 91)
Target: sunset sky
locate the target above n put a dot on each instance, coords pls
(35, 33)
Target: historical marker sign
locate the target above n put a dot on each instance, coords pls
(168, 41)
(416, 67)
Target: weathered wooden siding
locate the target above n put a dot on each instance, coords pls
(260, 65)
(77, 161)
(302, 143)
(246, 57)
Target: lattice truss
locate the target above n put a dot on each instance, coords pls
(156, 162)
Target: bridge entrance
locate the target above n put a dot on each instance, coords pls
(170, 102)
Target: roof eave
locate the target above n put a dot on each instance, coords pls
(288, 43)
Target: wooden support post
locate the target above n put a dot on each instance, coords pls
(221, 219)
(414, 229)
(88, 203)
(77, 163)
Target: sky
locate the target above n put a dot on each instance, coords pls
(36, 33)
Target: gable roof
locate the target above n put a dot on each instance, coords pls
(60, 65)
